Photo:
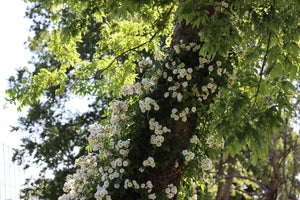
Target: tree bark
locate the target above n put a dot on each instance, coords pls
(220, 174)
(188, 33)
(272, 195)
(224, 189)
(161, 179)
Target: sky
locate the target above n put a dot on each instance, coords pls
(13, 54)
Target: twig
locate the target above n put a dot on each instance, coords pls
(263, 66)
(265, 58)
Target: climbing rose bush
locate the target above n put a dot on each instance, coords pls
(110, 169)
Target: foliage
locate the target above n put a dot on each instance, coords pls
(55, 139)
(179, 101)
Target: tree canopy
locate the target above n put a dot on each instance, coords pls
(199, 92)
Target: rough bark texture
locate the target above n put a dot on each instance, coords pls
(183, 131)
(187, 33)
(220, 174)
(161, 179)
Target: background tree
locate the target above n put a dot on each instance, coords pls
(222, 73)
(267, 180)
(55, 138)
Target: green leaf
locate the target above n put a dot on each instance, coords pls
(254, 157)
(288, 87)
(263, 87)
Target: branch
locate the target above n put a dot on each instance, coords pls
(284, 150)
(295, 164)
(263, 66)
(250, 193)
(263, 185)
(273, 157)
(285, 153)
(265, 58)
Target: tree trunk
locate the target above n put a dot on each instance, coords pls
(224, 190)
(220, 174)
(187, 33)
(161, 179)
(272, 195)
(182, 131)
